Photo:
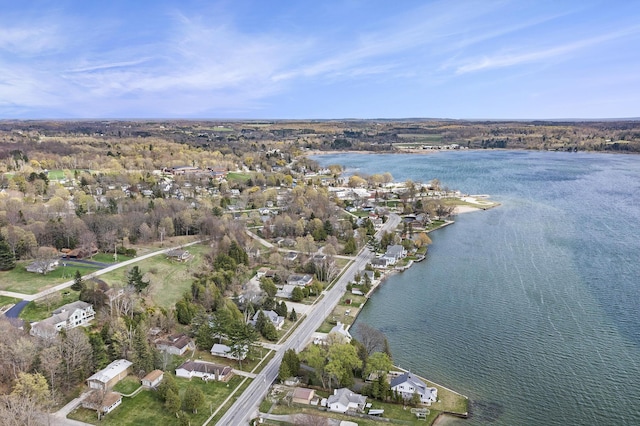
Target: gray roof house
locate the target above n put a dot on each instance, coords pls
(300, 280)
(394, 253)
(407, 384)
(344, 400)
(276, 319)
(69, 316)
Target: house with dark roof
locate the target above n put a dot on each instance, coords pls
(408, 384)
(205, 370)
(179, 255)
(176, 344)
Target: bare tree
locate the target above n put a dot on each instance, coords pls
(372, 339)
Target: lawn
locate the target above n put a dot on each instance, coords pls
(242, 177)
(169, 279)
(146, 408)
(39, 310)
(21, 281)
(127, 385)
(6, 300)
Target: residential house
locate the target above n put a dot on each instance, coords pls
(224, 351)
(275, 319)
(286, 291)
(291, 256)
(205, 370)
(408, 384)
(262, 272)
(69, 316)
(395, 253)
(103, 402)
(340, 332)
(380, 262)
(344, 400)
(152, 379)
(300, 280)
(176, 344)
(43, 266)
(302, 396)
(110, 375)
(179, 255)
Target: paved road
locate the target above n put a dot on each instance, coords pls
(16, 309)
(246, 406)
(106, 270)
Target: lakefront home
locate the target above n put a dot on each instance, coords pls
(344, 400)
(69, 316)
(408, 384)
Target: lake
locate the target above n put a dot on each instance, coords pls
(531, 309)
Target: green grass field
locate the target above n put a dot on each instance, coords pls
(5, 300)
(127, 385)
(169, 279)
(146, 408)
(39, 310)
(21, 281)
(238, 176)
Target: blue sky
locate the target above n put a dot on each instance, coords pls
(319, 59)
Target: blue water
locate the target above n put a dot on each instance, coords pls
(531, 309)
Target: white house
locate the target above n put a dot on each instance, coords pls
(344, 400)
(69, 316)
(110, 375)
(395, 253)
(275, 319)
(408, 384)
(43, 266)
(204, 370)
(224, 351)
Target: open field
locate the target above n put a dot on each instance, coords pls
(146, 408)
(169, 279)
(21, 281)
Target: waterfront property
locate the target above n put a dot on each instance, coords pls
(408, 384)
(344, 400)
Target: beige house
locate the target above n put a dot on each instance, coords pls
(104, 402)
(152, 379)
(110, 375)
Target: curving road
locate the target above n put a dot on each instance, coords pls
(246, 406)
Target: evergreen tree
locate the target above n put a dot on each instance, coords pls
(134, 279)
(193, 398)
(78, 283)
(297, 294)
(292, 361)
(293, 316)
(100, 356)
(269, 331)
(281, 309)
(168, 384)
(143, 355)
(7, 259)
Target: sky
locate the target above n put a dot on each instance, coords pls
(326, 59)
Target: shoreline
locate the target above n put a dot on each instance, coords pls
(444, 417)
